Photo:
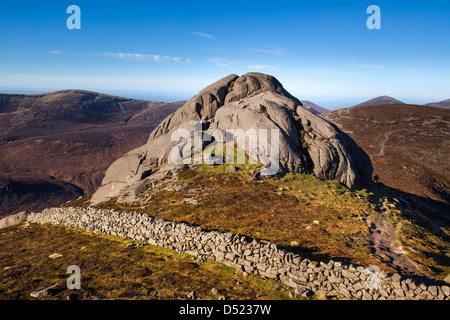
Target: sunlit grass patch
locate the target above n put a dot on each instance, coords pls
(111, 268)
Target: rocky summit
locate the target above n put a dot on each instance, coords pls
(308, 144)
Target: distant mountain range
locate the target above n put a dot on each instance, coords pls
(56, 146)
(442, 104)
(383, 100)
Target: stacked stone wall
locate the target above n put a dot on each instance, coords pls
(326, 279)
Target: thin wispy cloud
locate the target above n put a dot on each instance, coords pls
(204, 35)
(66, 53)
(130, 56)
(271, 51)
(125, 56)
(261, 67)
(228, 63)
(317, 71)
(367, 66)
(223, 62)
(323, 71)
(320, 72)
(140, 57)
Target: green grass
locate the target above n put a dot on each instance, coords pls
(282, 211)
(319, 219)
(111, 270)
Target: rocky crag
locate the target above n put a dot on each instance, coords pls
(307, 143)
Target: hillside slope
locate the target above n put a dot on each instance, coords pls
(67, 137)
(313, 107)
(115, 268)
(318, 219)
(408, 145)
(441, 104)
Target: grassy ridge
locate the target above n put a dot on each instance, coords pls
(34, 257)
(319, 219)
(322, 219)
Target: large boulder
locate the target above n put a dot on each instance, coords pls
(255, 103)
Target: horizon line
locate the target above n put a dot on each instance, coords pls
(177, 97)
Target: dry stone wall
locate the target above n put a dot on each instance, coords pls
(331, 279)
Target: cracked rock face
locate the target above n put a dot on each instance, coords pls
(307, 143)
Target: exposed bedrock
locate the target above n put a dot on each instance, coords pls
(306, 143)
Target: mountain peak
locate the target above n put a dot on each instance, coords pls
(441, 104)
(69, 104)
(305, 142)
(231, 88)
(379, 101)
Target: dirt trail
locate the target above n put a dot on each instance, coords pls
(382, 149)
(384, 241)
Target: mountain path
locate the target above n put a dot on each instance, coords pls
(384, 240)
(382, 148)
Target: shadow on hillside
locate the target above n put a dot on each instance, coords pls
(311, 255)
(346, 261)
(423, 211)
(428, 214)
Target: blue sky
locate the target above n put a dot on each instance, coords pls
(169, 50)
